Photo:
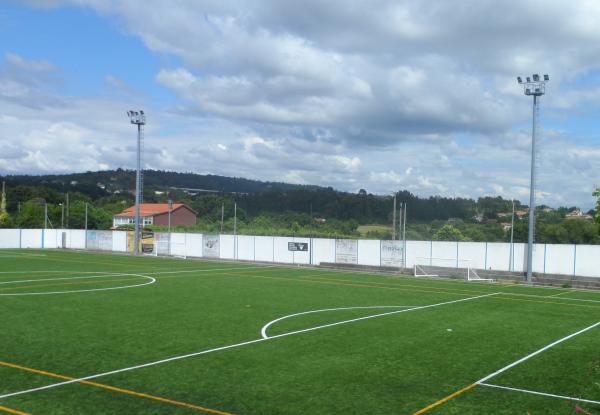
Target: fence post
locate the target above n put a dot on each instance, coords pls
(545, 258)
(486, 253)
(430, 252)
(574, 259)
(456, 254)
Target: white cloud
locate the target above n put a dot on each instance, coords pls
(343, 93)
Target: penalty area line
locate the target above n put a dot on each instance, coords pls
(550, 395)
(231, 346)
(483, 380)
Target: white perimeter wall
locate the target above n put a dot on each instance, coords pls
(582, 260)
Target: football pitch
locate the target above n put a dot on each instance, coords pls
(87, 333)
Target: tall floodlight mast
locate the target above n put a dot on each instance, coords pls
(535, 87)
(139, 119)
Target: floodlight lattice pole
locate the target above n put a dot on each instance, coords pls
(138, 118)
(536, 87)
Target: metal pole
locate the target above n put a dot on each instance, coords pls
(531, 235)
(86, 216)
(512, 233)
(394, 220)
(67, 215)
(235, 230)
(62, 216)
(45, 215)
(404, 237)
(222, 215)
(170, 210)
(136, 243)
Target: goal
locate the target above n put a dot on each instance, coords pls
(446, 268)
(174, 249)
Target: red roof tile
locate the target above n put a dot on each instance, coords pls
(151, 209)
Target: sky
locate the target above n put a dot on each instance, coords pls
(377, 95)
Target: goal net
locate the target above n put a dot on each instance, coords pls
(166, 248)
(446, 268)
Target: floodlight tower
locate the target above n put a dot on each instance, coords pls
(139, 119)
(535, 87)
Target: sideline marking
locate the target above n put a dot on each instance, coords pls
(505, 368)
(263, 331)
(551, 395)
(13, 411)
(115, 389)
(230, 346)
(445, 399)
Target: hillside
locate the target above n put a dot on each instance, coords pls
(281, 208)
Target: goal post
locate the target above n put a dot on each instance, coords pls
(446, 268)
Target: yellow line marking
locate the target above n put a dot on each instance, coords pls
(116, 389)
(13, 411)
(450, 290)
(445, 399)
(313, 281)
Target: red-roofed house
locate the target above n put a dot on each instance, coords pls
(157, 214)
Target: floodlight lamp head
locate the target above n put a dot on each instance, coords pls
(519, 80)
(546, 77)
(528, 79)
(141, 112)
(536, 77)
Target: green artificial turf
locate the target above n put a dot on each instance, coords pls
(67, 313)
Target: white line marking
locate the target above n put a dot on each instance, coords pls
(543, 349)
(210, 270)
(263, 331)
(231, 346)
(551, 297)
(551, 395)
(151, 281)
(112, 274)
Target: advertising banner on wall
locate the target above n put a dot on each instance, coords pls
(210, 246)
(99, 240)
(346, 251)
(91, 240)
(298, 246)
(392, 253)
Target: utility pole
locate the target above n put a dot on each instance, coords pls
(512, 233)
(45, 215)
(394, 220)
(535, 88)
(86, 216)
(222, 215)
(234, 230)
(170, 210)
(67, 220)
(62, 216)
(404, 237)
(139, 119)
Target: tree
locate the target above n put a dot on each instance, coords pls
(448, 233)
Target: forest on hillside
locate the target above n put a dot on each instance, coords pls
(270, 208)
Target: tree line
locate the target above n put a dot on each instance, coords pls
(281, 209)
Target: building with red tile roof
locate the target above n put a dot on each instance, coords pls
(157, 214)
